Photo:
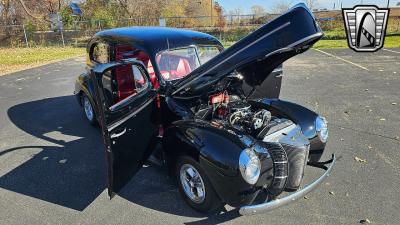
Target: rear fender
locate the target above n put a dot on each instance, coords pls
(84, 85)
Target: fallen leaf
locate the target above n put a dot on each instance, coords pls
(366, 220)
(332, 193)
(306, 197)
(366, 89)
(369, 147)
(369, 110)
(360, 159)
(394, 103)
(382, 119)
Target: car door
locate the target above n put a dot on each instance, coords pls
(128, 121)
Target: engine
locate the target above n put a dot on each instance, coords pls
(243, 117)
(264, 126)
(240, 115)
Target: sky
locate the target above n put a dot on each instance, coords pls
(245, 5)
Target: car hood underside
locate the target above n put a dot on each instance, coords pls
(258, 54)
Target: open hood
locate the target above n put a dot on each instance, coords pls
(258, 54)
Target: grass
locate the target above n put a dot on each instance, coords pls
(390, 42)
(16, 59)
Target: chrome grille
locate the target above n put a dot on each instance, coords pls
(280, 161)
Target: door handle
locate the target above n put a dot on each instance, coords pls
(115, 135)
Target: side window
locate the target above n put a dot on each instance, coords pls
(100, 52)
(130, 81)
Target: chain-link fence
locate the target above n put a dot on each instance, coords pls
(227, 28)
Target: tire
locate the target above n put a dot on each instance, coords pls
(209, 202)
(88, 109)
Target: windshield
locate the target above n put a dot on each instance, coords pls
(177, 63)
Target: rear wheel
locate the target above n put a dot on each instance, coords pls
(195, 186)
(88, 109)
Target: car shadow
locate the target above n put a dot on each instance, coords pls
(70, 169)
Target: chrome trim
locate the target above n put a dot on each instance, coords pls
(306, 39)
(123, 120)
(267, 206)
(115, 135)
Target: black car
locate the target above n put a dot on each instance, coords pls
(179, 99)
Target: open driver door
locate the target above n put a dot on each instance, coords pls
(128, 124)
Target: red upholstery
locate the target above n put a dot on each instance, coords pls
(183, 68)
(124, 74)
(125, 82)
(152, 74)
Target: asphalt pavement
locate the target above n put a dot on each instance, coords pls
(52, 164)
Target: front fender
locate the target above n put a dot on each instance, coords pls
(217, 149)
(302, 116)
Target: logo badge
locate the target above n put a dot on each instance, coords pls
(365, 27)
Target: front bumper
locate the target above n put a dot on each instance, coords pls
(273, 204)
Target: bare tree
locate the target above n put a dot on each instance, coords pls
(258, 10)
(281, 7)
(312, 4)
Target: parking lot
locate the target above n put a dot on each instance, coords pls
(52, 165)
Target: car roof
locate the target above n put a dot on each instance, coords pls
(155, 39)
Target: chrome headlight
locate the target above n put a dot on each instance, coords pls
(249, 165)
(321, 126)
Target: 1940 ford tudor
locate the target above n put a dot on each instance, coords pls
(182, 100)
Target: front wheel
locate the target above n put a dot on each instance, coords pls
(195, 186)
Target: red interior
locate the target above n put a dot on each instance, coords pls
(124, 74)
(174, 66)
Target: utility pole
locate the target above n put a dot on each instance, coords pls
(388, 4)
(211, 1)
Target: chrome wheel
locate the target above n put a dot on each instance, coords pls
(88, 108)
(192, 183)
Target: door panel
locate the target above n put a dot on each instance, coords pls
(131, 143)
(128, 125)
